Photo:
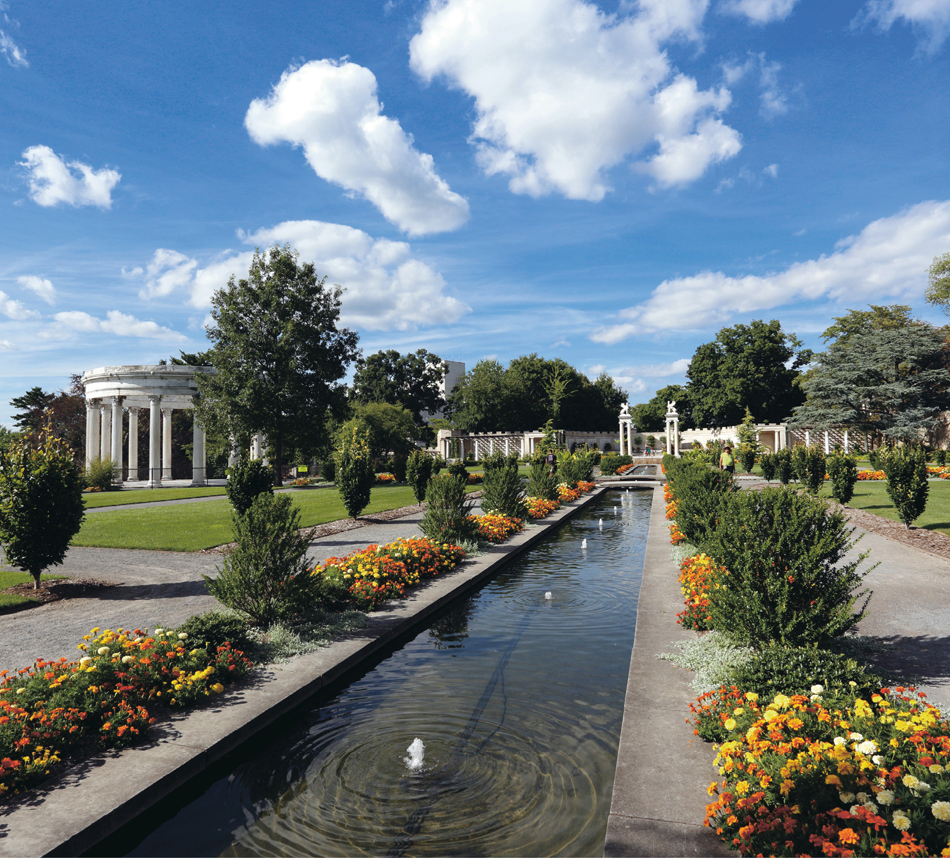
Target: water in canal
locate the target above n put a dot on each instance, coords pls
(516, 694)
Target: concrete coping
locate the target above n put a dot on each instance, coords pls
(95, 797)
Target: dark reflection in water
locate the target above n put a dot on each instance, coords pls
(518, 699)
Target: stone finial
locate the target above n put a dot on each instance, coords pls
(625, 410)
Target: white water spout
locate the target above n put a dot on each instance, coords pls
(584, 544)
(600, 524)
(416, 752)
(549, 595)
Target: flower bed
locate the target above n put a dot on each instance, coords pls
(540, 508)
(624, 468)
(805, 776)
(304, 481)
(49, 708)
(377, 573)
(566, 494)
(385, 478)
(872, 475)
(585, 486)
(474, 479)
(496, 528)
(697, 578)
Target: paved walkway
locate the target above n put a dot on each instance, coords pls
(152, 588)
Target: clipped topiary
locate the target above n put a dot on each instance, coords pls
(785, 582)
(458, 470)
(246, 480)
(769, 466)
(699, 492)
(503, 488)
(418, 473)
(541, 482)
(906, 471)
(215, 628)
(843, 472)
(265, 574)
(783, 466)
(355, 476)
(447, 511)
(328, 469)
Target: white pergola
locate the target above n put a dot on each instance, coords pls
(112, 390)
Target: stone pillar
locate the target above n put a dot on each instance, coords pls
(198, 456)
(807, 438)
(92, 430)
(847, 447)
(167, 443)
(256, 446)
(105, 433)
(117, 436)
(133, 443)
(233, 455)
(827, 449)
(154, 442)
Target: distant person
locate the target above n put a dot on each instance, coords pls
(726, 461)
(551, 461)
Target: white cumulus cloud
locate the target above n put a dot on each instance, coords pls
(119, 324)
(888, 259)
(386, 288)
(760, 11)
(16, 310)
(167, 271)
(332, 111)
(564, 92)
(6, 346)
(930, 18)
(53, 181)
(40, 286)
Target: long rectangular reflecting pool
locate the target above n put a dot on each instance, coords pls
(516, 694)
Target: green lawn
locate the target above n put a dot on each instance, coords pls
(9, 578)
(97, 499)
(873, 497)
(191, 527)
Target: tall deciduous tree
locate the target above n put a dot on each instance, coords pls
(892, 382)
(938, 286)
(752, 366)
(278, 352)
(651, 416)
(412, 381)
(875, 318)
(63, 414)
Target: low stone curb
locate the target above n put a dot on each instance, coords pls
(659, 796)
(95, 798)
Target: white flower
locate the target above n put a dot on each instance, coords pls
(854, 809)
(878, 760)
(862, 797)
(855, 737)
(867, 748)
(846, 797)
(159, 632)
(84, 661)
(126, 659)
(941, 810)
(885, 797)
(840, 740)
(871, 806)
(936, 769)
(901, 820)
(182, 636)
(817, 689)
(103, 650)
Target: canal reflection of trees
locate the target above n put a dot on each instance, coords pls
(450, 630)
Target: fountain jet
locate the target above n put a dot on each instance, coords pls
(416, 752)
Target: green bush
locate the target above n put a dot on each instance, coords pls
(874, 459)
(810, 467)
(769, 466)
(328, 469)
(396, 465)
(906, 471)
(568, 468)
(541, 482)
(796, 670)
(747, 455)
(447, 510)
(41, 505)
(940, 458)
(418, 473)
(265, 574)
(609, 463)
(783, 466)
(783, 583)
(100, 475)
(246, 480)
(458, 470)
(503, 487)
(699, 492)
(843, 471)
(438, 463)
(215, 628)
(355, 476)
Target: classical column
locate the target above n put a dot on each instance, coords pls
(256, 446)
(827, 448)
(154, 442)
(117, 436)
(167, 443)
(198, 456)
(92, 430)
(133, 443)
(105, 433)
(233, 455)
(847, 449)
(807, 438)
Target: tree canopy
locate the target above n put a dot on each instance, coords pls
(411, 381)
(531, 391)
(388, 429)
(892, 381)
(938, 282)
(278, 353)
(876, 318)
(752, 366)
(66, 411)
(651, 416)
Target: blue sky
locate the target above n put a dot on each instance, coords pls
(609, 184)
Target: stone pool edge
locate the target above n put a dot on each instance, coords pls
(659, 795)
(94, 799)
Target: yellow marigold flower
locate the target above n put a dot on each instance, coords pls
(742, 787)
(730, 724)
